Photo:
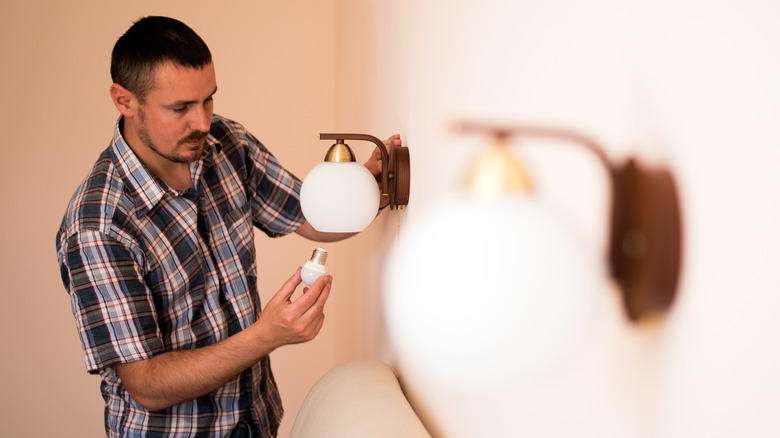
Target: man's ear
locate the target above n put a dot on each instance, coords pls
(123, 99)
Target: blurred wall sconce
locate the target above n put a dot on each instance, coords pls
(645, 237)
(490, 281)
(341, 195)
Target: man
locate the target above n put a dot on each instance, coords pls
(156, 251)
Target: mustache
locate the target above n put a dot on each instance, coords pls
(194, 136)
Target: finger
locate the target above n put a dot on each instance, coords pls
(318, 305)
(288, 288)
(393, 137)
(309, 299)
(325, 293)
(393, 140)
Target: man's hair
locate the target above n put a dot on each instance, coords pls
(150, 42)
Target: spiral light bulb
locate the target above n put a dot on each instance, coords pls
(315, 267)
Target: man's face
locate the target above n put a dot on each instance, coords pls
(174, 120)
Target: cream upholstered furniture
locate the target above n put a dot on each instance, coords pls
(361, 398)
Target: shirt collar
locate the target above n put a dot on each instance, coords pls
(147, 189)
(211, 147)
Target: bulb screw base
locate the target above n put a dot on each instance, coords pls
(319, 256)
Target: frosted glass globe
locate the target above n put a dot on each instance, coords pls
(339, 197)
(487, 294)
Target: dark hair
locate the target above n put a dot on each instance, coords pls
(152, 41)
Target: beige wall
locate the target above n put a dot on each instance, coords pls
(275, 64)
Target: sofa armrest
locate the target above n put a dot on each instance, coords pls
(360, 398)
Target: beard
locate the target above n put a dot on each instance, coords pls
(186, 158)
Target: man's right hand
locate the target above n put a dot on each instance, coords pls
(284, 322)
(177, 376)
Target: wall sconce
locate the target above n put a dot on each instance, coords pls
(341, 195)
(491, 286)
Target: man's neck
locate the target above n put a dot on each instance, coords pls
(176, 175)
(178, 179)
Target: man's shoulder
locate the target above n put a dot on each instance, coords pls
(238, 146)
(224, 129)
(98, 200)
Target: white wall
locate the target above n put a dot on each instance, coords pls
(691, 84)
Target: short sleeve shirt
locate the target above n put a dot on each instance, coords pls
(150, 269)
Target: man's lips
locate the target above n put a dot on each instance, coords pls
(194, 141)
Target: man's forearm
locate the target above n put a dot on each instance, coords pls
(307, 231)
(177, 376)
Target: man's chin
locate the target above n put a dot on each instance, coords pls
(193, 152)
(186, 158)
(195, 156)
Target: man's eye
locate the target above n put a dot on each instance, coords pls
(179, 109)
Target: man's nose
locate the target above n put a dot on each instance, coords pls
(201, 120)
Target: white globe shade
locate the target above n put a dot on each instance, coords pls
(339, 197)
(487, 295)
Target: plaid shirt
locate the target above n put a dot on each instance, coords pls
(150, 269)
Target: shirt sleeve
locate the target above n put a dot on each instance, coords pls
(276, 205)
(112, 306)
